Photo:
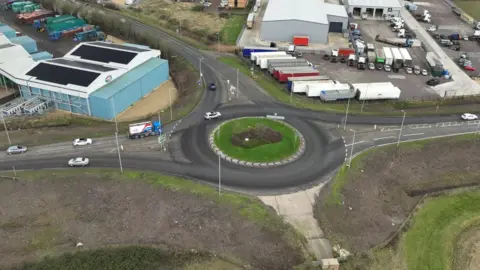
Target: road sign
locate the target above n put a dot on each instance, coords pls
(275, 116)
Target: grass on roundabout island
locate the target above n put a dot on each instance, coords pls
(257, 140)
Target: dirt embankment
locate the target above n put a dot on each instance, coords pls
(50, 214)
(384, 186)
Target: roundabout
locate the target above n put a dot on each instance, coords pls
(257, 142)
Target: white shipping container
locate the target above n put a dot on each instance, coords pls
(377, 91)
(388, 56)
(254, 55)
(266, 61)
(257, 61)
(301, 86)
(314, 90)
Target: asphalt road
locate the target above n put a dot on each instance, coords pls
(326, 147)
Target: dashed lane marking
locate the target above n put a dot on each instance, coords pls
(449, 124)
(390, 128)
(417, 126)
(354, 143)
(476, 122)
(413, 134)
(384, 138)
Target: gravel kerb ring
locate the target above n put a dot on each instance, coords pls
(290, 159)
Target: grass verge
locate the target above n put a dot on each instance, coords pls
(231, 30)
(471, 7)
(279, 92)
(268, 152)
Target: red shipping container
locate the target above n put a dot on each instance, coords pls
(345, 51)
(283, 77)
(300, 41)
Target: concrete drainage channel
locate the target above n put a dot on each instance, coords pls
(292, 158)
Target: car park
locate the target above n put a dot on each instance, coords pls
(82, 141)
(433, 82)
(212, 86)
(78, 162)
(16, 149)
(469, 116)
(212, 115)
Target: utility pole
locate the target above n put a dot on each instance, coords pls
(116, 136)
(351, 149)
(6, 130)
(346, 115)
(477, 129)
(401, 128)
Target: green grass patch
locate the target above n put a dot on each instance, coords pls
(268, 152)
(280, 92)
(430, 240)
(471, 7)
(231, 30)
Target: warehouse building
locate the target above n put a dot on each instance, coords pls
(378, 9)
(284, 19)
(99, 79)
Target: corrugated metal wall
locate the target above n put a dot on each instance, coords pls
(60, 101)
(123, 99)
(286, 30)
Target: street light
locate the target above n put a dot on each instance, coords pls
(401, 128)
(476, 130)
(351, 149)
(6, 130)
(346, 115)
(363, 103)
(218, 40)
(200, 66)
(159, 117)
(116, 136)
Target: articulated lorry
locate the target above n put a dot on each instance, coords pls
(144, 129)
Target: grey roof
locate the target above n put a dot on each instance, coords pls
(81, 64)
(374, 3)
(307, 10)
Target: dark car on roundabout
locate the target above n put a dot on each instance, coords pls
(212, 86)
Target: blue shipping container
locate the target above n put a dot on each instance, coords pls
(248, 50)
(27, 43)
(8, 31)
(41, 56)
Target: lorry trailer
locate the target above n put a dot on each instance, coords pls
(246, 51)
(407, 59)
(315, 90)
(277, 71)
(287, 63)
(144, 129)
(301, 86)
(397, 58)
(291, 80)
(253, 56)
(258, 62)
(284, 75)
(407, 43)
(372, 57)
(250, 20)
(29, 18)
(340, 94)
(376, 91)
(380, 56)
(388, 56)
(264, 62)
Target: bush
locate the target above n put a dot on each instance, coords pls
(257, 136)
(198, 8)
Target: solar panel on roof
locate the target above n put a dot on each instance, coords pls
(118, 46)
(63, 75)
(104, 55)
(81, 65)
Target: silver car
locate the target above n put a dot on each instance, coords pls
(78, 162)
(16, 149)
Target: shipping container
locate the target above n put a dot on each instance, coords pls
(26, 42)
(345, 52)
(288, 63)
(254, 55)
(277, 70)
(308, 78)
(388, 56)
(301, 86)
(266, 61)
(41, 56)
(283, 76)
(314, 90)
(380, 56)
(276, 55)
(246, 51)
(250, 20)
(70, 24)
(376, 91)
(58, 19)
(301, 40)
(407, 59)
(397, 58)
(344, 92)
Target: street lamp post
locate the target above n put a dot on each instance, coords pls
(401, 128)
(116, 137)
(346, 115)
(351, 149)
(218, 40)
(363, 103)
(476, 130)
(6, 130)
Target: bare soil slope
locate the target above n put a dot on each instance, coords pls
(384, 185)
(51, 213)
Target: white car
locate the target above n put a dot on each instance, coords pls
(82, 141)
(432, 28)
(387, 68)
(78, 162)
(469, 116)
(212, 115)
(424, 72)
(371, 66)
(409, 70)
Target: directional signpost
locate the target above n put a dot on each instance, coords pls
(276, 117)
(161, 140)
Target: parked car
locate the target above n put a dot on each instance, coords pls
(82, 142)
(212, 86)
(387, 68)
(433, 82)
(417, 70)
(432, 28)
(78, 162)
(212, 115)
(424, 72)
(16, 149)
(469, 68)
(371, 66)
(469, 116)
(409, 70)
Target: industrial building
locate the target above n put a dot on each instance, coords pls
(314, 19)
(98, 79)
(378, 9)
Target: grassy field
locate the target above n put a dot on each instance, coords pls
(231, 30)
(279, 92)
(103, 208)
(386, 176)
(264, 153)
(469, 6)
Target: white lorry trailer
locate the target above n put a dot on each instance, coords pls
(267, 61)
(376, 91)
(301, 86)
(388, 56)
(259, 58)
(397, 58)
(254, 55)
(407, 59)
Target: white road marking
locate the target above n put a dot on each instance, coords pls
(417, 126)
(449, 124)
(113, 150)
(413, 134)
(473, 122)
(400, 77)
(384, 138)
(354, 143)
(390, 128)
